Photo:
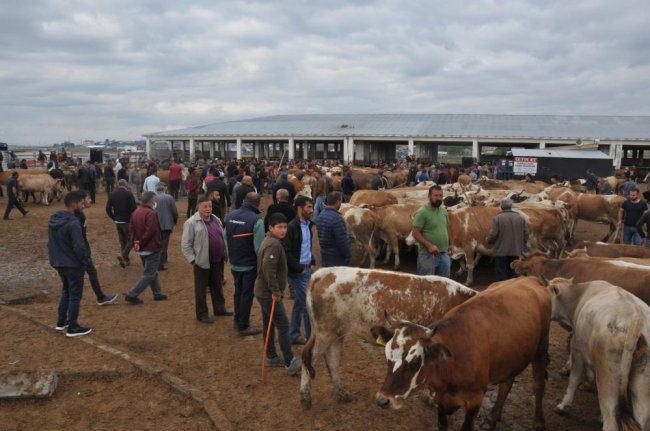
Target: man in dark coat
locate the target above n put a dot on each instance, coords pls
(244, 189)
(333, 234)
(508, 237)
(284, 183)
(283, 206)
(12, 196)
(119, 207)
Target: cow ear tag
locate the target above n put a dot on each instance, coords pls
(380, 341)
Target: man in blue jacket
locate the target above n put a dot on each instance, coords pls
(333, 234)
(69, 255)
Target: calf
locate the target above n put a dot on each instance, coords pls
(394, 223)
(600, 208)
(343, 300)
(610, 332)
(40, 183)
(489, 339)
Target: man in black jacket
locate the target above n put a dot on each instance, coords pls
(298, 246)
(119, 207)
(244, 189)
(283, 206)
(222, 187)
(284, 183)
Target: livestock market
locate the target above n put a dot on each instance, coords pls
(418, 271)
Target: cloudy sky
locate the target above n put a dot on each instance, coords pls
(76, 69)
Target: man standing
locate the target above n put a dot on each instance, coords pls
(119, 207)
(175, 177)
(591, 182)
(204, 246)
(376, 183)
(284, 183)
(244, 233)
(333, 234)
(628, 216)
(508, 237)
(12, 196)
(193, 191)
(242, 191)
(69, 255)
(144, 234)
(150, 182)
(167, 217)
(347, 186)
(431, 231)
(93, 173)
(109, 178)
(102, 299)
(218, 184)
(320, 194)
(135, 179)
(283, 206)
(298, 246)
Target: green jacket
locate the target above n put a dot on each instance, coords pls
(271, 268)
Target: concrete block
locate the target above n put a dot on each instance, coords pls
(35, 384)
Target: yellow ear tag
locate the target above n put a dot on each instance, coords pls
(380, 341)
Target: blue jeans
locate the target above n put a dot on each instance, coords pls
(319, 203)
(631, 235)
(281, 323)
(299, 312)
(73, 287)
(434, 264)
(243, 298)
(149, 276)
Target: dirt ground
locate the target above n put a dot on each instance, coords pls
(98, 390)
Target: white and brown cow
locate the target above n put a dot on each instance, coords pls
(489, 339)
(361, 225)
(600, 208)
(346, 301)
(40, 183)
(611, 329)
(603, 249)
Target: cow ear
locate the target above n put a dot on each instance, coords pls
(438, 352)
(553, 289)
(381, 334)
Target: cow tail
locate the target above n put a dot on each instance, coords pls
(307, 356)
(634, 341)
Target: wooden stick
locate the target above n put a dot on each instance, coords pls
(266, 341)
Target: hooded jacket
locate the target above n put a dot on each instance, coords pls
(66, 247)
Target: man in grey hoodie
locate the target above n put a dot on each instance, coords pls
(167, 217)
(69, 255)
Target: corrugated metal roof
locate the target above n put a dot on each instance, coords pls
(560, 154)
(428, 125)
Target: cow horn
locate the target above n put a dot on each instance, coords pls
(392, 322)
(431, 331)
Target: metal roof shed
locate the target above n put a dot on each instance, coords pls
(566, 164)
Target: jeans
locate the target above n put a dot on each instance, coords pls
(502, 267)
(631, 235)
(205, 279)
(175, 187)
(243, 298)
(73, 283)
(92, 190)
(149, 276)
(94, 280)
(109, 186)
(123, 235)
(430, 264)
(299, 312)
(13, 202)
(191, 205)
(318, 207)
(165, 245)
(281, 323)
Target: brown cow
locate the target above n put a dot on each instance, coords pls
(361, 225)
(489, 339)
(43, 184)
(630, 276)
(4, 176)
(600, 208)
(394, 223)
(372, 198)
(343, 301)
(602, 249)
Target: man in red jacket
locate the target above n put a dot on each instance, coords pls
(145, 235)
(175, 177)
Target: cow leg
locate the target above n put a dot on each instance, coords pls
(333, 359)
(607, 383)
(462, 267)
(388, 253)
(577, 371)
(495, 414)
(315, 347)
(612, 229)
(539, 364)
(639, 384)
(443, 416)
(394, 243)
(470, 275)
(471, 413)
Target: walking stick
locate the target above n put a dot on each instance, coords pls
(266, 341)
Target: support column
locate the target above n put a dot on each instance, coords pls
(305, 150)
(475, 149)
(411, 147)
(350, 151)
(192, 150)
(171, 149)
(147, 147)
(542, 144)
(292, 149)
(346, 151)
(239, 148)
(256, 149)
(212, 144)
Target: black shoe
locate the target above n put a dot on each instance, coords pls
(300, 341)
(160, 297)
(162, 268)
(250, 331)
(223, 312)
(78, 331)
(133, 300)
(25, 213)
(206, 319)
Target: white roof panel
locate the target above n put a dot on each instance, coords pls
(559, 154)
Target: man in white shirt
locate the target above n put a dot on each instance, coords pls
(150, 182)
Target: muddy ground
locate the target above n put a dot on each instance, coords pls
(98, 390)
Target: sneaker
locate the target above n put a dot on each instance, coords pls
(108, 299)
(275, 361)
(61, 328)
(206, 319)
(78, 331)
(300, 340)
(250, 331)
(133, 299)
(294, 366)
(159, 297)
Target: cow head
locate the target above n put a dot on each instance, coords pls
(412, 352)
(530, 263)
(563, 300)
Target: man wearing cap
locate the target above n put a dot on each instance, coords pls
(144, 234)
(243, 190)
(508, 237)
(167, 218)
(119, 207)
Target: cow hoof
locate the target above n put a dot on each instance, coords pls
(587, 387)
(343, 396)
(565, 372)
(305, 401)
(561, 410)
